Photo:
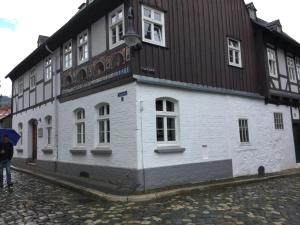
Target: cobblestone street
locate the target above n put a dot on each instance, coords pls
(36, 201)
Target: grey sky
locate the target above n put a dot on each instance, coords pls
(22, 21)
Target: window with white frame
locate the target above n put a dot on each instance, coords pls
(21, 85)
(278, 121)
(32, 80)
(234, 52)
(67, 52)
(20, 130)
(291, 69)
(272, 63)
(116, 27)
(104, 124)
(48, 121)
(48, 68)
(166, 121)
(80, 126)
(298, 67)
(153, 26)
(83, 47)
(244, 131)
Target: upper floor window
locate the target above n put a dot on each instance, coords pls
(244, 131)
(48, 69)
(298, 67)
(272, 62)
(153, 25)
(48, 120)
(278, 120)
(104, 124)
(83, 47)
(234, 52)
(32, 80)
(20, 130)
(166, 121)
(117, 27)
(67, 55)
(21, 85)
(291, 69)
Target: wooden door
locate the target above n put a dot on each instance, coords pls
(34, 141)
(296, 130)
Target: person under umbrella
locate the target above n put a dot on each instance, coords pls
(6, 154)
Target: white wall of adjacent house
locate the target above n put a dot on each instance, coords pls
(122, 124)
(39, 114)
(208, 129)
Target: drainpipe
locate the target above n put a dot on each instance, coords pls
(55, 82)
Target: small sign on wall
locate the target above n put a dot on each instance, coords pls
(40, 132)
(295, 113)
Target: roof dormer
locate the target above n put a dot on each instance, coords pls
(252, 11)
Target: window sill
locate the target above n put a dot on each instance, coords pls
(236, 66)
(19, 150)
(101, 151)
(47, 151)
(78, 151)
(169, 150)
(154, 43)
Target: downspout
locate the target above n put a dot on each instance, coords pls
(55, 108)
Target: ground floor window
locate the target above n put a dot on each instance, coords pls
(278, 120)
(244, 131)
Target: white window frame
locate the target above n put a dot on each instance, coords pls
(298, 67)
(278, 121)
(48, 121)
(80, 123)
(235, 50)
(68, 53)
(48, 68)
(166, 115)
(85, 43)
(32, 80)
(115, 25)
(272, 60)
(244, 131)
(153, 22)
(291, 69)
(105, 118)
(20, 130)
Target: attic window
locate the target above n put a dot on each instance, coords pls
(234, 52)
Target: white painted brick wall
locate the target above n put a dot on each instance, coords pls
(24, 118)
(212, 120)
(123, 128)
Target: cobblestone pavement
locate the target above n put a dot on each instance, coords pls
(35, 201)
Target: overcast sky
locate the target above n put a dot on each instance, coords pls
(21, 21)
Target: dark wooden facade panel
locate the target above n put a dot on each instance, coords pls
(196, 44)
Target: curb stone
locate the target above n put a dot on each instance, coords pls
(155, 195)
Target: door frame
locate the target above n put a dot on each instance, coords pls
(33, 129)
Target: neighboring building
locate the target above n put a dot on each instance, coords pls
(279, 69)
(5, 117)
(188, 105)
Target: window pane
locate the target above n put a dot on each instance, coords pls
(157, 33)
(108, 131)
(120, 14)
(113, 19)
(147, 13)
(101, 131)
(107, 110)
(147, 32)
(171, 123)
(171, 135)
(114, 35)
(102, 111)
(170, 106)
(157, 16)
(159, 105)
(121, 31)
(160, 128)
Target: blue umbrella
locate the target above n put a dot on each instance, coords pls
(12, 135)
